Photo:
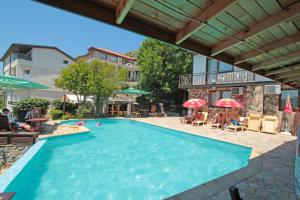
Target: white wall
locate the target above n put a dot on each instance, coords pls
(259, 78)
(45, 67)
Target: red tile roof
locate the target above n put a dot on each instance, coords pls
(113, 53)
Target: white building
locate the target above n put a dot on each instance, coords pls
(40, 64)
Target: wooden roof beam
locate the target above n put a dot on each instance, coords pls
(271, 62)
(291, 79)
(283, 69)
(288, 74)
(210, 12)
(296, 85)
(271, 46)
(264, 24)
(122, 9)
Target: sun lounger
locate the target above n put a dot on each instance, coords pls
(237, 124)
(254, 121)
(269, 124)
(235, 128)
(219, 122)
(187, 120)
(201, 121)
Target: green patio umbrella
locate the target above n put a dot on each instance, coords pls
(10, 82)
(133, 91)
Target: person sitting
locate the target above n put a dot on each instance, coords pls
(14, 124)
(199, 116)
(190, 117)
(29, 114)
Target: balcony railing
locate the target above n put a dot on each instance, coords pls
(23, 56)
(132, 79)
(214, 78)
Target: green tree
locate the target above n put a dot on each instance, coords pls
(160, 65)
(104, 79)
(74, 79)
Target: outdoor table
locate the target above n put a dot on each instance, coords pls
(7, 195)
(38, 122)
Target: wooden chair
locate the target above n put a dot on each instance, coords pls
(254, 121)
(219, 122)
(9, 135)
(4, 124)
(236, 127)
(234, 116)
(269, 124)
(202, 121)
(153, 111)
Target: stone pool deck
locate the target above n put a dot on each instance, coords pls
(53, 129)
(276, 179)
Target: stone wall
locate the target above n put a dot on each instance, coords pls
(199, 93)
(254, 98)
(10, 153)
(271, 104)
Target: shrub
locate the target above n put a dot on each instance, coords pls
(56, 103)
(56, 114)
(69, 107)
(67, 117)
(25, 105)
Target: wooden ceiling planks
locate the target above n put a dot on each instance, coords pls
(202, 18)
(265, 23)
(161, 19)
(269, 47)
(144, 6)
(122, 9)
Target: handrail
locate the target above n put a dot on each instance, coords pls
(235, 76)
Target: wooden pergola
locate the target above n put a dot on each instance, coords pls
(262, 36)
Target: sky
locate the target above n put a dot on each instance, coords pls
(29, 22)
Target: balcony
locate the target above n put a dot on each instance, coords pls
(132, 79)
(216, 78)
(23, 56)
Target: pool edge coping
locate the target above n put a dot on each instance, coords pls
(8, 176)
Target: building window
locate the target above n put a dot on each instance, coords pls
(102, 56)
(112, 58)
(224, 67)
(66, 62)
(294, 96)
(212, 65)
(226, 94)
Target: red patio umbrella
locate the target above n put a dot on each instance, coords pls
(227, 103)
(194, 103)
(288, 106)
(288, 109)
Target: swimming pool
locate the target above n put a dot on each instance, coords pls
(124, 159)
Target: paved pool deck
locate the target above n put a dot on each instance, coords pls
(276, 179)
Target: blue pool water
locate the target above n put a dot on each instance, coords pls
(123, 159)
